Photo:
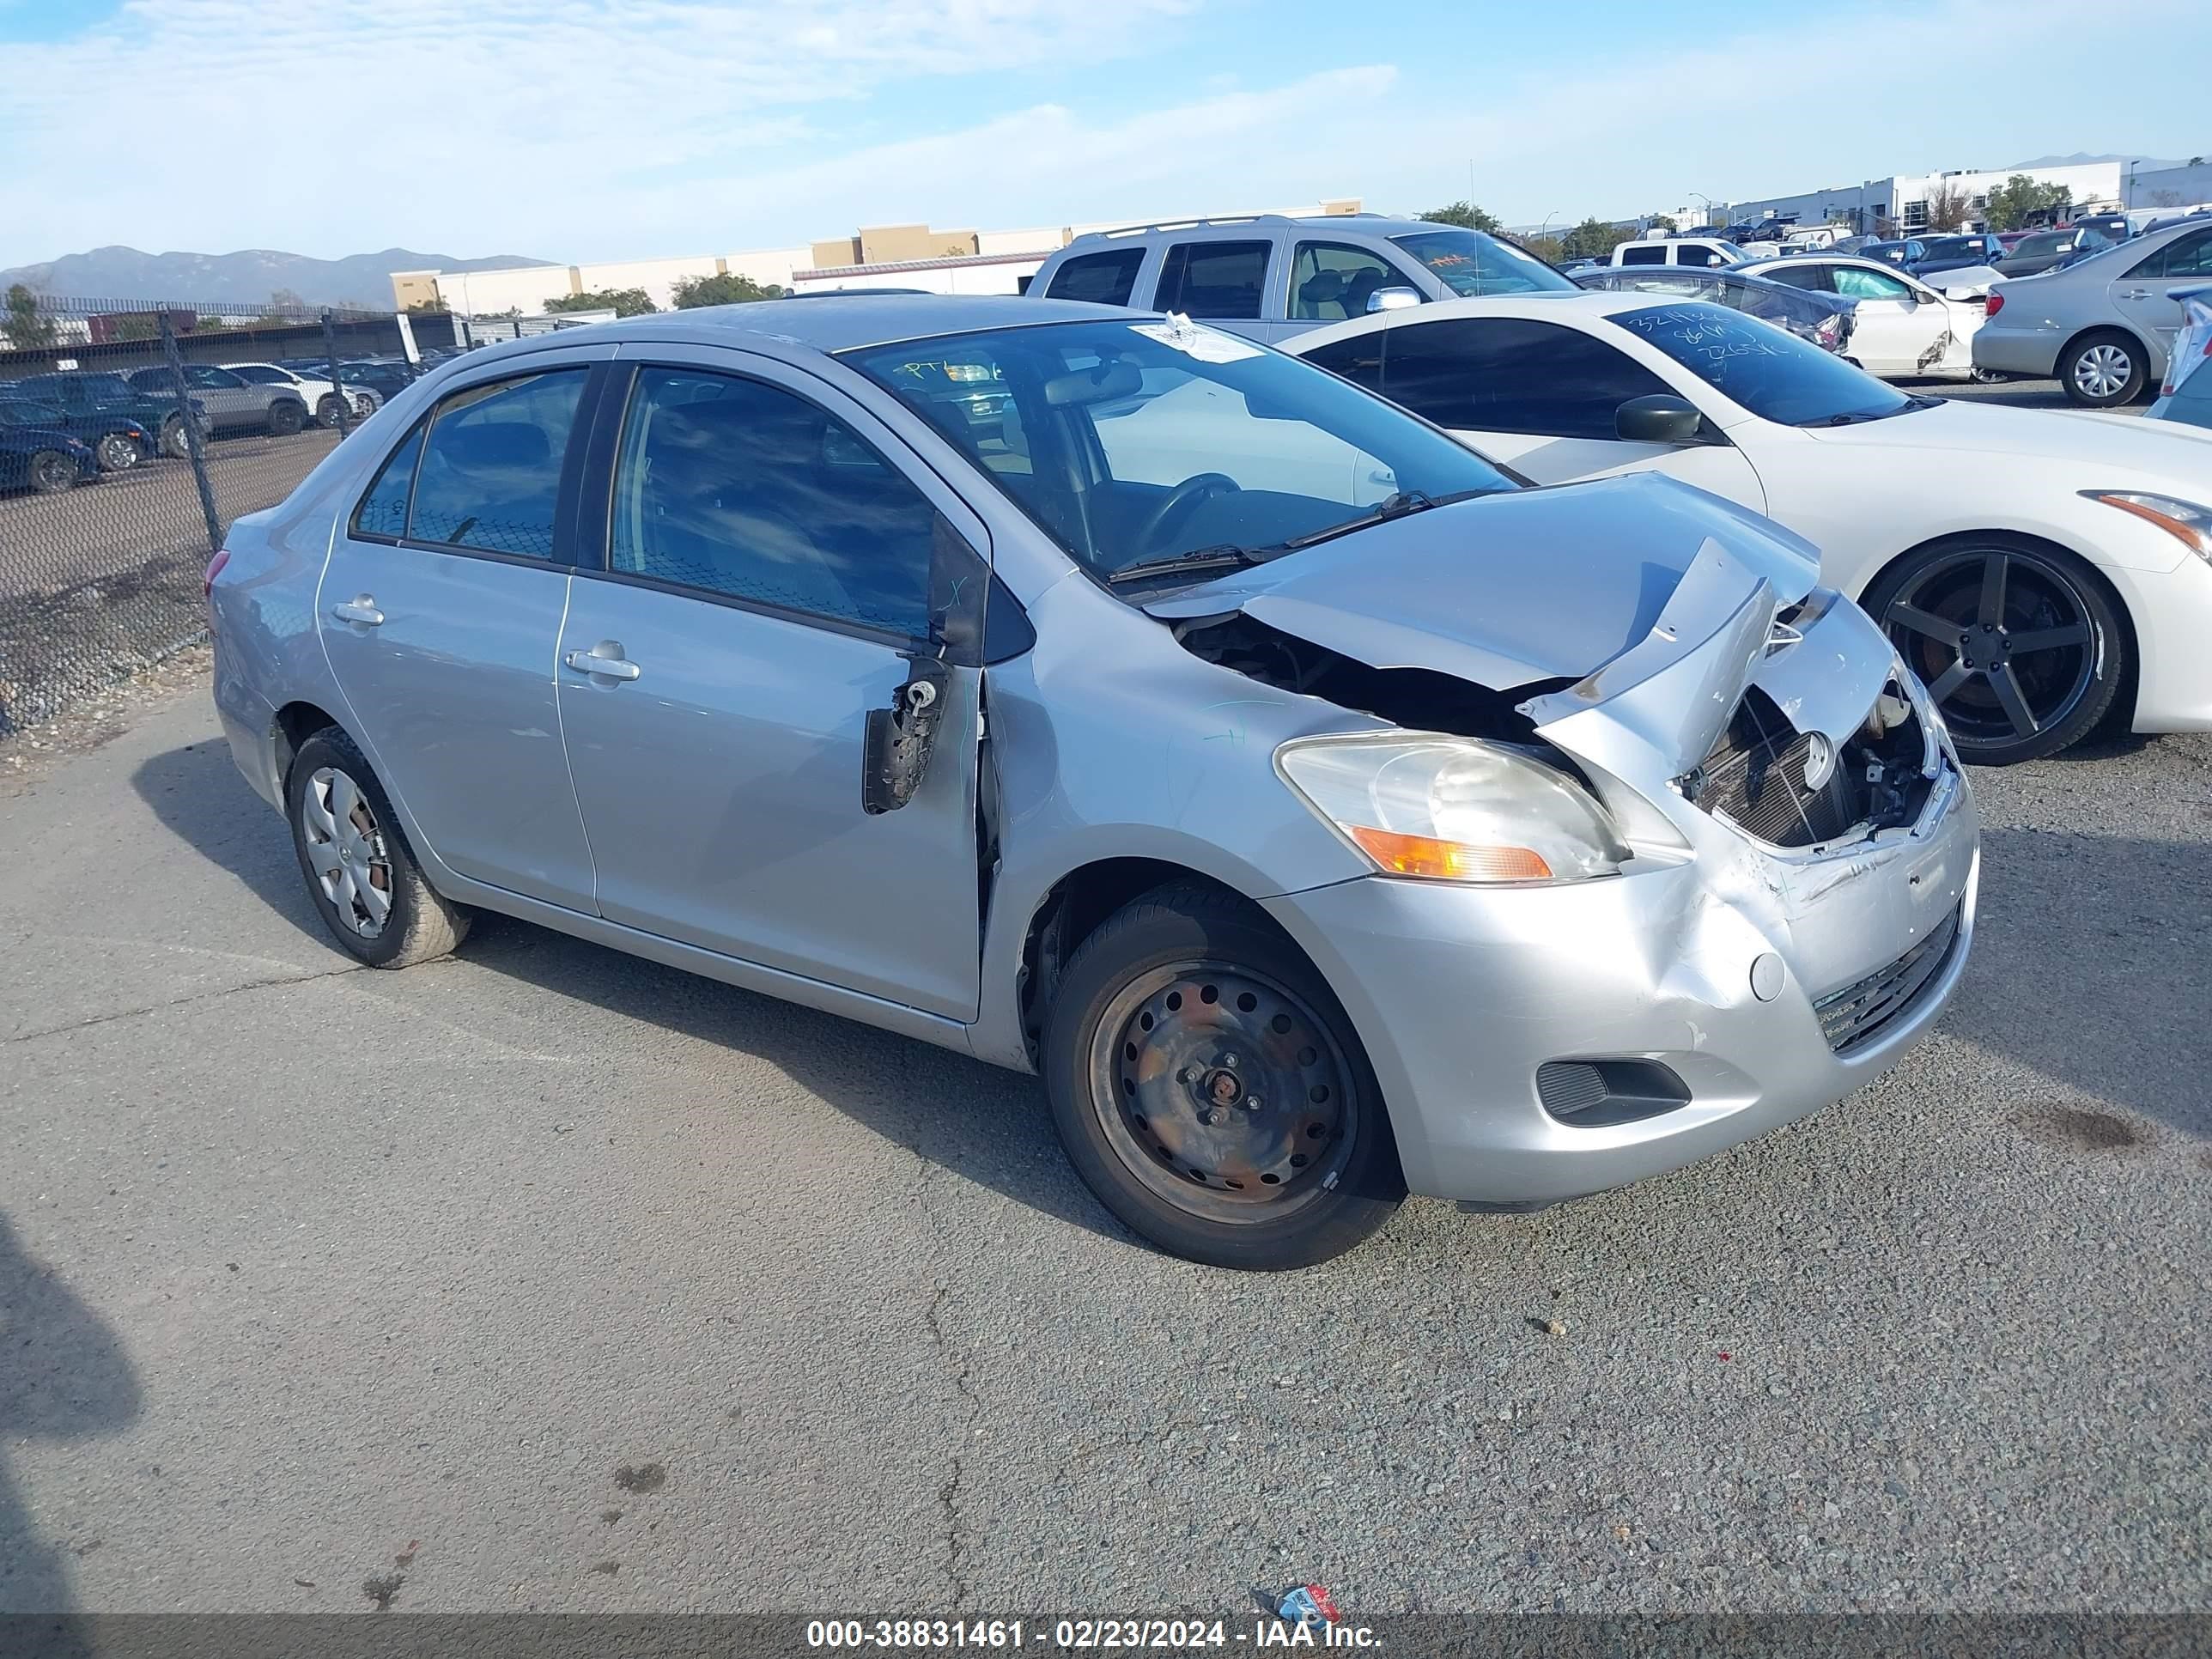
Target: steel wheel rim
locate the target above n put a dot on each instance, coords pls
(2004, 641)
(1254, 1056)
(2104, 371)
(346, 851)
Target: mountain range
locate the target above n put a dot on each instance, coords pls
(109, 274)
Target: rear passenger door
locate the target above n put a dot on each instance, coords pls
(440, 610)
(1541, 397)
(1223, 282)
(2142, 295)
(758, 575)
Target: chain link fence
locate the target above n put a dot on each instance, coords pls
(132, 434)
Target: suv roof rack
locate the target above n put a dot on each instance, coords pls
(1198, 224)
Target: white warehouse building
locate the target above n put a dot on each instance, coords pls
(1904, 198)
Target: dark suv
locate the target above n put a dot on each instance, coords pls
(80, 392)
(120, 442)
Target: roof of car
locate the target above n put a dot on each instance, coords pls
(828, 323)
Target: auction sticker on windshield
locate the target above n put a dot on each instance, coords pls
(1180, 334)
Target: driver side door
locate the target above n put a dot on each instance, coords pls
(1540, 397)
(1893, 331)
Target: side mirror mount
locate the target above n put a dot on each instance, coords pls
(1393, 299)
(1659, 417)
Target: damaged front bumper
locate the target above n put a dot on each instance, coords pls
(1540, 1043)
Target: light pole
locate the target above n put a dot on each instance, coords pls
(1708, 201)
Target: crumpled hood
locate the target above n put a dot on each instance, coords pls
(1508, 590)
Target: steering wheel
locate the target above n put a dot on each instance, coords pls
(1180, 500)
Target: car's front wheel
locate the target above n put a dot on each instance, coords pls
(2020, 645)
(327, 409)
(175, 443)
(287, 417)
(1210, 1090)
(116, 452)
(2104, 370)
(51, 472)
(361, 873)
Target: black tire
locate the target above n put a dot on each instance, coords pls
(116, 452)
(419, 923)
(326, 411)
(2037, 672)
(2104, 370)
(286, 416)
(51, 472)
(174, 443)
(1323, 1172)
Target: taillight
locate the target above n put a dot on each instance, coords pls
(1994, 304)
(214, 569)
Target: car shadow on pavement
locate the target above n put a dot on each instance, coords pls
(981, 1122)
(64, 1375)
(2088, 968)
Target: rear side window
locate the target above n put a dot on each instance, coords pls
(491, 470)
(1812, 278)
(1506, 374)
(2184, 256)
(383, 511)
(1105, 279)
(1643, 256)
(729, 486)
(1213, 279)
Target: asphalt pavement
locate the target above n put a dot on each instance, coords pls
(545, 1278)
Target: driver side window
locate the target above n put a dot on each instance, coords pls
(1331, 283)
(1854, 283)
(1510, 374)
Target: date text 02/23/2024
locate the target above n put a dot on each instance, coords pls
(1084, 1634)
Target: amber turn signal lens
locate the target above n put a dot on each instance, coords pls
(1448, 860)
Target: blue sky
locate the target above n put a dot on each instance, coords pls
(591, 129)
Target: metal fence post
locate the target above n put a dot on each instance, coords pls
(337, 386)
(193, 448)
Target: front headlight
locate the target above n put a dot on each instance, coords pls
(1453, 809)
(2185, 521)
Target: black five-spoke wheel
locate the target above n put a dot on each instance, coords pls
(2017, 644)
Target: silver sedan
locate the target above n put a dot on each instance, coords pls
(1323, 814)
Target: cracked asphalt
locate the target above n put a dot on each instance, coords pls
(543, 1278)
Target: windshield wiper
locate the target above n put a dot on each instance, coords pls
(1397, 505)
(1222, 556)
(1853, 418)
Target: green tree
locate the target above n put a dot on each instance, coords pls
(2020, 196)
(622, 301)
(1545, 248)
(1465, 214)
(1594, 238)
(24, 323)
(1659, 225)
(728, 288)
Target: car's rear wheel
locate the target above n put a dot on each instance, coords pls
(287, 417)
(2018, 644)
(116, 452)
(2104, 370)
(1210, 1090)
(52, 471)
(360, 871)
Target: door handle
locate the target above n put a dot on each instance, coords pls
(360, 609)
(594, 662)
(2136, 294)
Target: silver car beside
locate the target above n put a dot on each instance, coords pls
(1323, 814)
(232, 403)
(2105, 326)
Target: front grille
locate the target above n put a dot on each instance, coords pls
(1858, 1013)
(1756, 775)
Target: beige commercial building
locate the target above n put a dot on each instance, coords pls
(875, 256)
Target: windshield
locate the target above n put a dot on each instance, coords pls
(1471, 264)
(1129, 443)
(1772, 374)
(1947, 247)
